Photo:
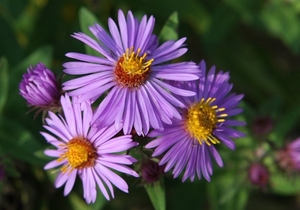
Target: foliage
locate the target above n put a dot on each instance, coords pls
(257, 41)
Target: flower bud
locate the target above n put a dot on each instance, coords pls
(39, 87)
(258, 175)
(151, 171)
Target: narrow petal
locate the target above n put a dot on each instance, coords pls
(70, 183)
(61, 179)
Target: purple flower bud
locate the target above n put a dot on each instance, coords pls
(151, 171)
(39, 87)
(258, 175)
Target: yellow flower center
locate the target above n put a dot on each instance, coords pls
(132, 69)
(80, 153)
(202, 119)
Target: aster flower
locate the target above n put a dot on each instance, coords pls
(86, 151)
(258, 175)
(289, 157)
(133, 71)
(39, 87)
(189, 144)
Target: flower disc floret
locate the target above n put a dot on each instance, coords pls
(132, 70)
(202, 119)
(80, 153)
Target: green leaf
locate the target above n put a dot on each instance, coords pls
(169, 30)
(282, 20)
(86, 19)
(4, 79)
(18, 142)
(241, 198)
(285, 185)
(8, 42)
(77, 202)
(43, 54)
(156, 193)
(9, 167)
(213, 194)
(228, 192)
(286, 123)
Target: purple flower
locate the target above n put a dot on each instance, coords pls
(86, 151)
(289, 157)
(258, 175)
(132, 71)
(39, 87)
(189, 144)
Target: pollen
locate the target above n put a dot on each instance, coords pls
(132, 69)
(201, 120)
(79, 153)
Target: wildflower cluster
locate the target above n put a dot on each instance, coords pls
(179, 110)
(270, 160)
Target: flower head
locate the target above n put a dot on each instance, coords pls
(189, 144)
(258, 175)
(86, 151)
(133, 70)
(289, 157)
(39, 87)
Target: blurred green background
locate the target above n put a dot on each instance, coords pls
(258, 41)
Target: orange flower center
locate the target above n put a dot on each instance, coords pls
(80, 153)
(132, 70)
